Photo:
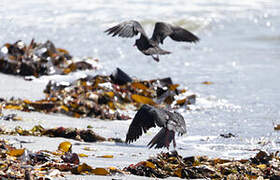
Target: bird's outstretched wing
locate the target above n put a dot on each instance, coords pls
(162, 139)
(146, 117)
(162, 30)
(126, 29)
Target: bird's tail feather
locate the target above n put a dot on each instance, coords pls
(155, 51)
(162, 139)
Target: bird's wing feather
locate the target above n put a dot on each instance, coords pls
(162, 30)
(162, 139)
(146, 117)
(176, 122)
(126, 29)
(180, 34)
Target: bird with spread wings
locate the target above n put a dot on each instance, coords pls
(147, 117)
(150, 46)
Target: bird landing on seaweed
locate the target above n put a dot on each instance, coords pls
(148, 116)
(150, 46)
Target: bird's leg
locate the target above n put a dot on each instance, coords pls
(156, 58)
(166, 140)
(174, 143)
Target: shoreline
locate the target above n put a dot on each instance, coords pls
(180, 99)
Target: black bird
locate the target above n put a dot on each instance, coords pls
(150, 46)
(148, 116)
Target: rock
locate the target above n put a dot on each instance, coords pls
(119, 77)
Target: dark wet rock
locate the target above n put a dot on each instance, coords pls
(228, 135)
(165, 82)
(119, 77)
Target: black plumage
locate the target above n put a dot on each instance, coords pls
(150, 46)
(148, 116)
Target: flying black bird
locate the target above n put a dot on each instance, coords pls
(148, 116)
(150, 46)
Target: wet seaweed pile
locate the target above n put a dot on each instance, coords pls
(263, 165)
(104, 97)
(85, 135)
(20, 163)
(38, 59)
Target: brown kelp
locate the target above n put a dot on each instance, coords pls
(104, 97)
(37, 59)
